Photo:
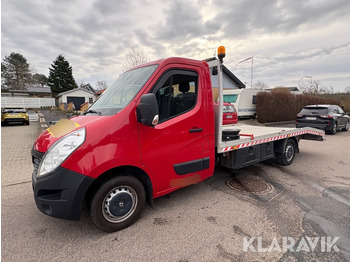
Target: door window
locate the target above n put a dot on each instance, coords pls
(176, 93)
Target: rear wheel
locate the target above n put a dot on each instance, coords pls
(334, 128)
(287, 157)
(117, 203)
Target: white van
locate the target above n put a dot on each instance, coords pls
(244, 101)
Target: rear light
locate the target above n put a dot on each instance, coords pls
(325, 116)
(299, 115)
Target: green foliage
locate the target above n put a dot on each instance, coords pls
(279, 106)
(15, 72)
(40, 80)
(61, 78)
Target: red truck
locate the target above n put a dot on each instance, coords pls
(153, 131)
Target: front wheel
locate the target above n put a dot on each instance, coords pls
(346, 128)
(287, 157)
(117, 203)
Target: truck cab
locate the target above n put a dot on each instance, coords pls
(149, 134)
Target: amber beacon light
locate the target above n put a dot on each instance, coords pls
(221, 52)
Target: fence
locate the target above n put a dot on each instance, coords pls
(27, 102)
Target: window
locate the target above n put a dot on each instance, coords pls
(176, 93)
(120, 94)
(91, 100)
(230, 98)
(335, 110)
(341, 111)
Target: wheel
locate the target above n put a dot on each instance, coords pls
(347, 125)
(117, 203)
(334, 128)
(27, 123)
(287, 157)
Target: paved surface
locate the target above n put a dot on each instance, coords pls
(205, 222)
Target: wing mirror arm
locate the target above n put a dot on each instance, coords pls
(147, 110)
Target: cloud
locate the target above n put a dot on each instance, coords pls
(287, 38)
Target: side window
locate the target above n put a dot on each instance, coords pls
(340, 110)
(254, 100)
(176, 93)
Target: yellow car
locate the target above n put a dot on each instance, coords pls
(14, 114)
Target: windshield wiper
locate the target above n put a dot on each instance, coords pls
(93, 112)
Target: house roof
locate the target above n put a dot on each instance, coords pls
(292, 89)
(39, 89)
(98, 92)
(233, 77)
(33, 89)
(74, 90)
(88, 87)
(229, 74)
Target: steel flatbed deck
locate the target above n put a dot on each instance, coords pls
(253, 135)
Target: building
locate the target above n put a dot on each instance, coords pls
(230, 81)
(31, 91)
(78, 96)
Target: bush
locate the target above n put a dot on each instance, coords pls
(277, 105)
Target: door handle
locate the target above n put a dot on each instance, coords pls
(196, 130)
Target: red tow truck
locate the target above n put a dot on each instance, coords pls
(155, 130)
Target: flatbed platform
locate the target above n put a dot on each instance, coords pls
(253, 135)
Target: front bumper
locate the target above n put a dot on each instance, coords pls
(61, 193)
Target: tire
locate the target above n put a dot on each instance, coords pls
(27, 123)
(334, 129)
(347, 125)
(117, 203)
(287, 157)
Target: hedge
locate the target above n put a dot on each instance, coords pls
(280, 105)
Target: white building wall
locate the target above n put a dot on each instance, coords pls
(77, 93)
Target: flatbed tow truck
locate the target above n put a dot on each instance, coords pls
(155, 130)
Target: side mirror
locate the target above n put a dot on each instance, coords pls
(147, 110)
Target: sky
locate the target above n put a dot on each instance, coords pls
(291, 41)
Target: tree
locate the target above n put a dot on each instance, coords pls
(314, 87)
(260, 85)
(61, 78)
(40, 80)
(101, 85)
(133, 58)
(15, 72)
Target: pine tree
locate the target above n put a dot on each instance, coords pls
(61, 78)
(15, 72)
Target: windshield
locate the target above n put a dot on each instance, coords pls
(120, 94)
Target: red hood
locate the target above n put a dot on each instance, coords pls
(61, 128)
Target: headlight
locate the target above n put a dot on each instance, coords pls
(60, 150)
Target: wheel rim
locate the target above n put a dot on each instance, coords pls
(347, 125)
(119, 204)
(289, 153)
(335, 128)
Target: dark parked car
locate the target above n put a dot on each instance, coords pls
(327, 117)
